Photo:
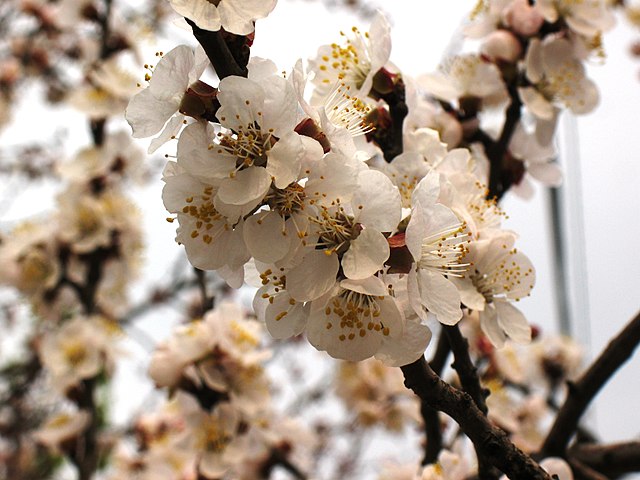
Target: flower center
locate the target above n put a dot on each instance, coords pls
(485, 212)
(358, 313)
(36, 268)
(504, 278)
(249, 145)
(349, 62)
(336, 230)
(215, 438)
(288, 200)
(205, 214)
(347, 111)
(444, 251)
(75, 353)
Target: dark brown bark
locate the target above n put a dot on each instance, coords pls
(587, 387)
(490, 442)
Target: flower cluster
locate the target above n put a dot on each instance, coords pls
(376, 395)
(355, 252)
(293, 188)
(219, 422)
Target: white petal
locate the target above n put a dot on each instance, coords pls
(427, 190)
(196, 157)
(234, 276)
(366, 254)
(490, 327)
(171, 75)
(536, 103)
(368, 286)
(246, 186)
(261, 68)
(585, 98)
(324, 334)
(408, 348)
(205, 14)
(513, 322)
(380, 201)
(169, 132)
(238, 16)
(263, 235)
(234, 93)
(280, 109)
(533, 60)
(469, 294)
(147, 114)
(313, 277)
(285, 159)
(415, 297)
(440, 296)
(285, 320)
(439, 85)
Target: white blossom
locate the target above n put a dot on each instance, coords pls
(235, 16)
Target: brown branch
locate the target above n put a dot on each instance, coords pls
(586, 387)
(491, 443)
(225, 60)
(388, 134)
(432, 432)
(501, 176)
(467, 371)
(470, 381)
(86, 455)
(583, 472)
(430, 416)
(440, 356)
(612, 460)
(207, 302)
(279, 458)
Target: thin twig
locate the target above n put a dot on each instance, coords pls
(588, 385)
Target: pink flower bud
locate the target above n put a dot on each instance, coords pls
(502, 45)
(523, 18)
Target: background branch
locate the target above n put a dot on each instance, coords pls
(613, 460)
(585, 389)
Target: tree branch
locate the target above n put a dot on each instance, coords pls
(501, 176)
(586, 388)
(467, 371)
(430, 416)
(225, 61)
(470, 381)
(612, 460)
(490, 442)
(583, 472)
(440, 356)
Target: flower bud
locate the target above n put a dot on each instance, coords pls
(502, 45)
(524, 19)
